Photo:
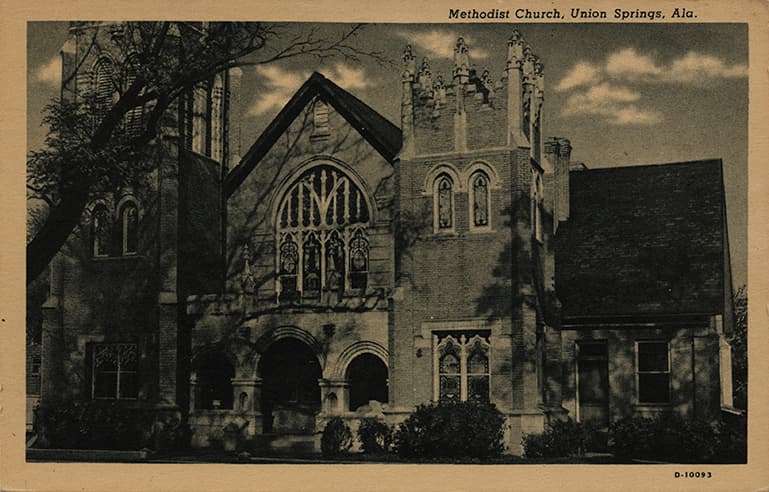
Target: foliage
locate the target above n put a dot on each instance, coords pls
(88, 150)
(675, 439)
(336, 439)
(561, 438)
(375, 436)
(93, 425)
(465, 429)
(739, 342)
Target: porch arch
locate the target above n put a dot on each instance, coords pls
(354, 350)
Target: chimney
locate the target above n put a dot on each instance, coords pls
(562, 180)
(407, 100)
(558, 152)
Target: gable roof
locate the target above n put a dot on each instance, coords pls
(643, 240)
(384, 136)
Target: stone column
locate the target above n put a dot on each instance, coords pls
(334, 395)
(246, 401)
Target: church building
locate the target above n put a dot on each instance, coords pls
(352, 266)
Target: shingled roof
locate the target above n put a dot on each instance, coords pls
(643, 240)
(384, 136)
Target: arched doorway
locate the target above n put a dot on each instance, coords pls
(290, 393)
(367, 375)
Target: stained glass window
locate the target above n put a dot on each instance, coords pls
(358, 260)
(311, 264)
(445, 203)
(114, 371)
(325, 215)
(480, 184)
(450, 372)
(462, 366)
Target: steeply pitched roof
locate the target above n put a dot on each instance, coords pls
(384, 136)
(643, 240)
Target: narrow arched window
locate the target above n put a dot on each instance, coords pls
(311, 263)
(450, 372)
(358, 260)
(134, 117)
(479, 185)
(538, 197)
(101, 231)
(444, 203)
(129, 228)
(103, 87)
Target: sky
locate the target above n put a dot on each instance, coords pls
(624, 94)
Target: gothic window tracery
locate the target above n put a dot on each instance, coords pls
(479, 185)
(322, 240)
(462, 366)
(444, 203)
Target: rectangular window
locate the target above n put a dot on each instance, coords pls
(114, 371)
(653, 371)
(461, 365)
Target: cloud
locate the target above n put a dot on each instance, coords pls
(696, 67)
(440, 44)
(602, 89)
(50, 73)
(280, 84)
(628, 63)
(615, 104)
(583, 73)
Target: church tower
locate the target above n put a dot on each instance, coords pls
(470, 309)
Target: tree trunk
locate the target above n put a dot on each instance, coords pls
(60, 223)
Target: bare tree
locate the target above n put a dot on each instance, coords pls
(86, 153)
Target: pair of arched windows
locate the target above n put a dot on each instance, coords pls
(461, 365)
(109, 236)
(322, 239)
(479, 202)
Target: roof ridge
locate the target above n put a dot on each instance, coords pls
(655, 164)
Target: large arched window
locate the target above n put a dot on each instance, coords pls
(443, 203)
(322, 240)
(129, 228)
(480, 201)
(101, 231)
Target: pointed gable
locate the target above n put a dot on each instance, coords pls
(384, 136)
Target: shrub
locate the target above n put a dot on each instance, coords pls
(675, 439)
(560, 438)
(375, 436)
(451, 430)
(336, 439)
(92, 425)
